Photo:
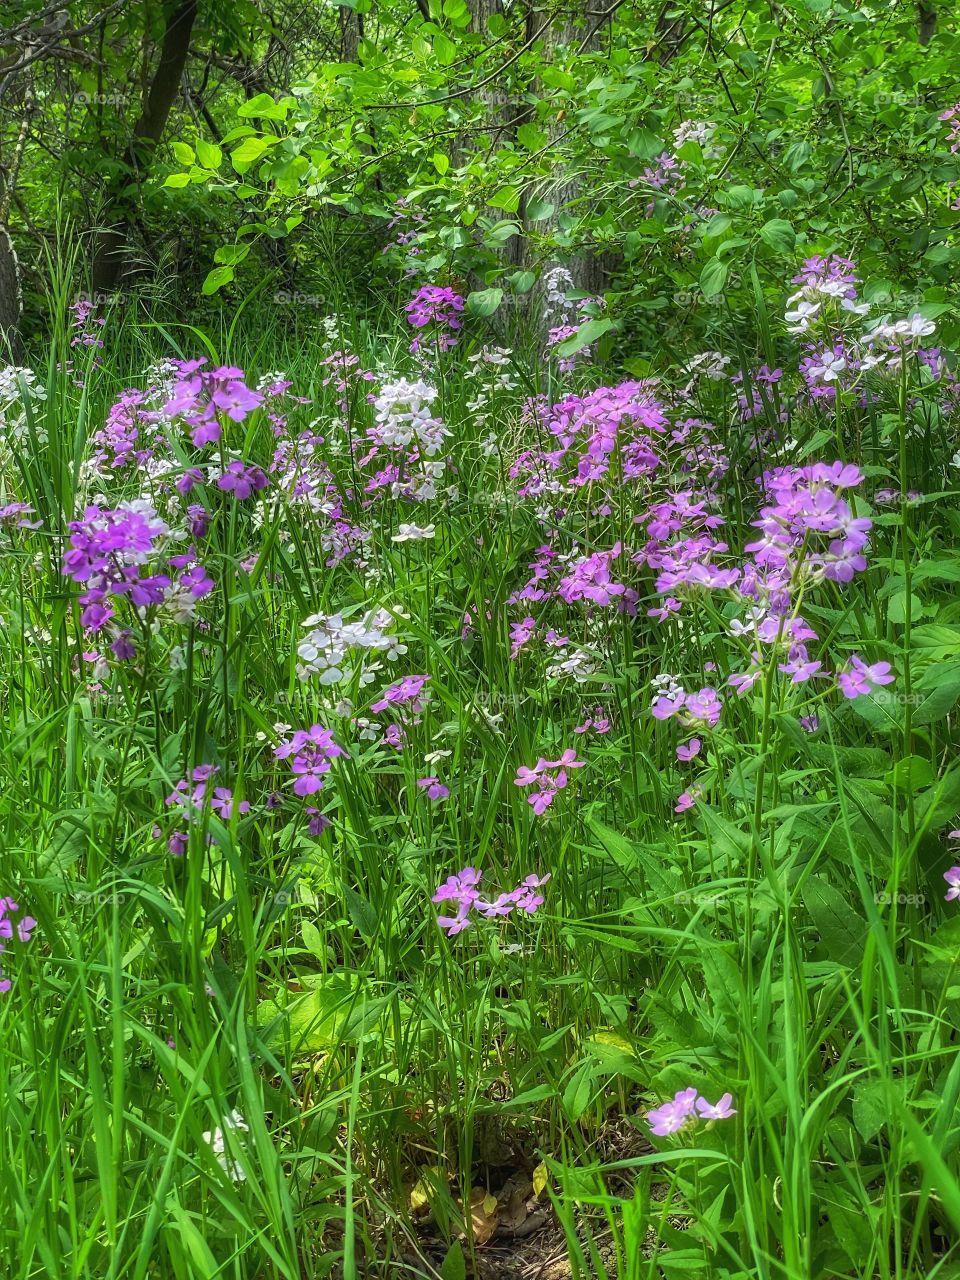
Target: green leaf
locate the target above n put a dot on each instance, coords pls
(231, 255)
(362, 913)
(454, 1264)
(209, 155)
(842, 931)
(530, 137)
(506, 198)
(576, 1096)
(177, 180)
(264, 107)
(713, 277)
(484, 302)
(588, 332)
(441, 162)
(538, 209)
(183, 153)
(910, 774)
(779, 234)
(444, 49)
(249, 151)
(216, 279)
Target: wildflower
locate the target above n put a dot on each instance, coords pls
(952, 878)
(216, 1140)
(434, 788)
(687, 752)
(413, 533)
(407, 690)
(721, 1110)
(550, 775)
(242, 480)
(310, 752)
(686, 800)
(683, 1111)
(21, 929)
(434, 305)
(860, 678)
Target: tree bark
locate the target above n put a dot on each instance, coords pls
(928, 22)
(164, 87)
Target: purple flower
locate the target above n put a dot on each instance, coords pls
(432, 304)
(952, 878)
(860, 677)
(682, 1111)
(242, 480)
(689, 751)
(434, 788)
(721, 1110)
(9, 929)
(310, 752)
(403, 691)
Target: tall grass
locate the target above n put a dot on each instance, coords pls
(758, 944)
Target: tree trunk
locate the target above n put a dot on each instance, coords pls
(112, 240)
(928, 22)
(351, 33)
(564, 190)
(11, 298)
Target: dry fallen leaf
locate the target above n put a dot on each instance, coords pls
(483, 1215)
(425, 1188)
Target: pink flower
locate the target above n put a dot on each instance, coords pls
(952, 878)
(689, 751)
(434, 788)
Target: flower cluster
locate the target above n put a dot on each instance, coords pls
(109, 553)
(310, 752)
(432, 304)
(193, 797)
(688, 1106)
(462, 890)
(324, 650)
(216, 1141)
(202, 398)
(9, 928)
(550, 776)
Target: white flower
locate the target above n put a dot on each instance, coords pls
(217, 1142)
(413, 533)
(829, 368)
(916, 326)
(799, 319)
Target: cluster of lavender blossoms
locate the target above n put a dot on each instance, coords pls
(462, 889)
(437, 306)
(192, 798)
(310, 752)
(549, 776)
(9, 928)
(121, 554)
(688, 1106)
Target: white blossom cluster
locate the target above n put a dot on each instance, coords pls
(805, 306)
(404, 417)
(216, 1141)
(18, 387)
(324, 650)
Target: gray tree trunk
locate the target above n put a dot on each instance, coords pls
(11, 298)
